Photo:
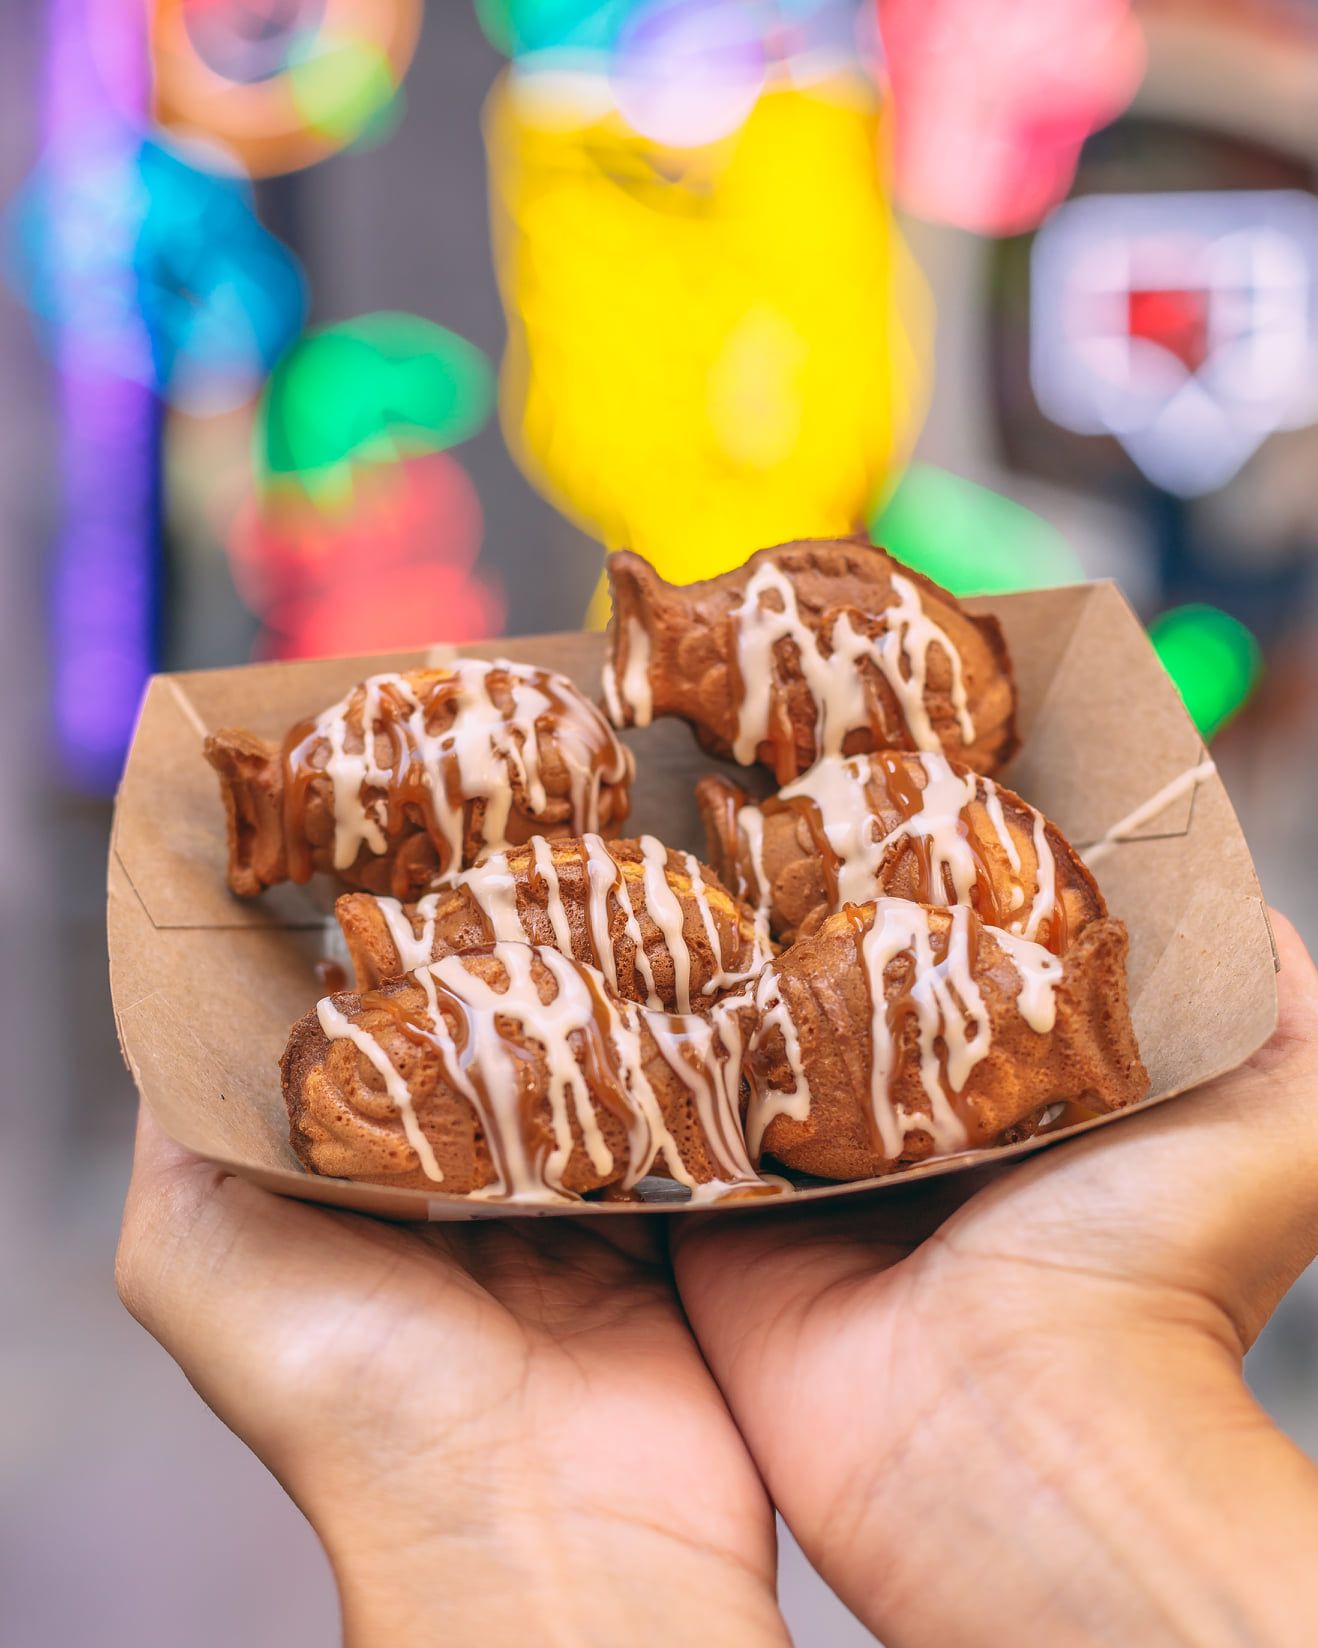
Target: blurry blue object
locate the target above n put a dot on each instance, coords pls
(158, 270)
(521, 27)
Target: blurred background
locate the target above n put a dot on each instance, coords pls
(331, 325)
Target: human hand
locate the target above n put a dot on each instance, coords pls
(1020, 1417)
(501, 1430)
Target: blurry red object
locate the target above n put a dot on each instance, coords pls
(394, 567)
(413, 606)
(1175, 320)
(993, 102)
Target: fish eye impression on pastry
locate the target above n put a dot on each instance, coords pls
(900, 824)
(411, 777)
(815, 648)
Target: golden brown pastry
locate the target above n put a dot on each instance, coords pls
(459, 760)
(513, 1071)
(823, 647)
(658, 924)
(902, 1031)
(900, 825)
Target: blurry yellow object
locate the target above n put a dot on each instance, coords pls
(709, 349)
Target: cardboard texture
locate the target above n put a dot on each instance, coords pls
(207, 986)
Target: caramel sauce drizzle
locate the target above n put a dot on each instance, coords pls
(845, 696)
(592, 1046)
(916, 972)
(844, 803)
(492, 888)
(444, 751)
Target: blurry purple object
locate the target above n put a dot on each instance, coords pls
(103, 587)
(687, 72)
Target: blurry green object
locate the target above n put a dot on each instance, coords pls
(1213, 659)
(370, 391)
(968, 538)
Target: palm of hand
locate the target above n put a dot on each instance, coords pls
(539, 1366)
(923, 1346)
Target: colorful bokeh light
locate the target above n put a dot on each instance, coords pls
(365, 393)
(394, 570)
(281, 83)
(362, 531)
(105, 567)
(158, 267)
(1212, 657)
(993, 102)
(521, 27)
(689, 71)
(709, 348)
(1185, 324)
(969, 538)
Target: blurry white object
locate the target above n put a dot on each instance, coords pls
(1186, 325)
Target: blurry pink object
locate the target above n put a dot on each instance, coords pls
(993, 102)
(394, 569)
(414, 607)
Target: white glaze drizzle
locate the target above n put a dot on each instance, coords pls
(636, 674)
(488, 1073)
(629, 698)
(948, 1008)
(632, 928)
(492, 887)
(760, 950)
(487, 748)
(1045, 876)
(666, 912)
(750, 824)
(1125, 827)
(954, 1028)
(613, 705)
(1039, 971)
(842, 700)
(993, 807)
(713, 1077)
(837, 787)
(773, 1013)
(415, 944)
(601, 877)
(542, 856)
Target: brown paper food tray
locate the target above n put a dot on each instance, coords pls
(206, 986)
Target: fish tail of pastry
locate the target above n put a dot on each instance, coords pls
(252, 787)
(718, 801)
(1094, 1034)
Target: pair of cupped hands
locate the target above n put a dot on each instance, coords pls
(1001, 1408)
